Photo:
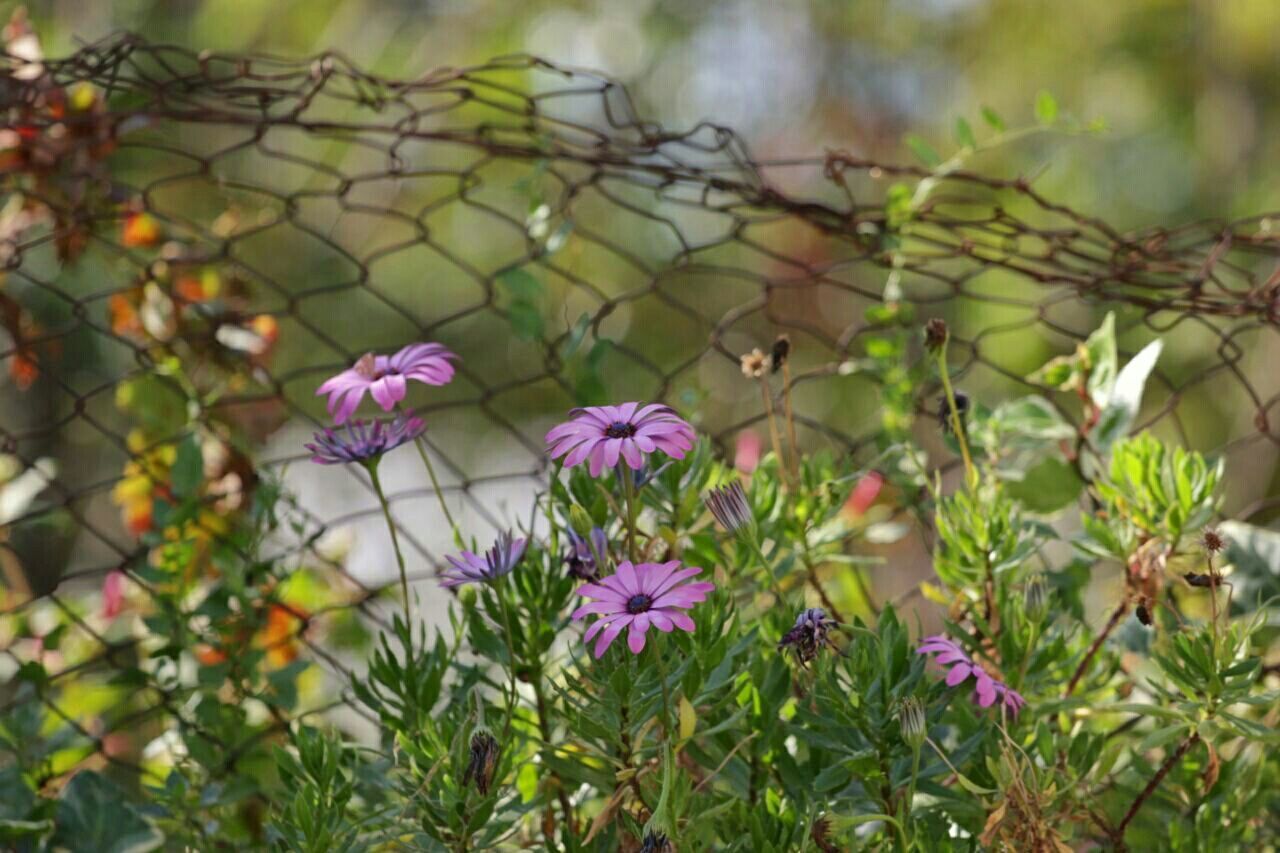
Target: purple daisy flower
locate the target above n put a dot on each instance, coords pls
(602, 435)
(986, 688)
(639, 596)
(496, 562)
(364, 441)
(386, 378)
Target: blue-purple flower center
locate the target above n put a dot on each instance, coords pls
(620, 429)
(638, 603)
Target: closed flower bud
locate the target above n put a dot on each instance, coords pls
(911, 718)
(1036, 599)
(467, 596)
(730, 507)
(483, 760)
(580, 521)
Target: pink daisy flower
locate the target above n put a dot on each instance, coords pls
(986, 688)
(639, 596)
(385, 378)
(602, 435)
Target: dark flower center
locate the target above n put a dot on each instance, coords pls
(638, 603)
(619, 429)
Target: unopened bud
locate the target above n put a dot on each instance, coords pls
(911, 718)
(1036, 599)
(467, 595)
(730, 507)
(580, 521)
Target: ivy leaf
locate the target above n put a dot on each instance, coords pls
(523, 311)
(1126, 397)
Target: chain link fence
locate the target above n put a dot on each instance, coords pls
(192, 242)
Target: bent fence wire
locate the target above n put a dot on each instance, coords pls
(193, 242)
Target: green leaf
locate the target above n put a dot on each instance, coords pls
(924, 151)
(1046, 107)
(92, 817)
(188, 468)
(1047, 487)
(521, 285)
(576, 335)
(964, 134)
(526, 320)
(992, 118)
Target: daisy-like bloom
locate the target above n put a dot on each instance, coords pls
(754, 364)
(986, 688)
(730, 507)
(496, 562)
(385, 378)
(364, 441)
(639, 596)
(808, 635)
(603, 435)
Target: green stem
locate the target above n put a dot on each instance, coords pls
(420, 443)
(372, 468)
(629, 496)
(666, 694)
(957, 425)
(754, 538)
(911, 795)
(500, 591)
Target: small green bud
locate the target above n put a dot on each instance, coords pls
(911, 718)
(1036, 599)
(580, 521)
(467, 596)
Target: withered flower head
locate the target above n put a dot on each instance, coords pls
(935, 334)
(781, 351)
(808, 634)
(754, 364)
(483, 760)
(1212, 540)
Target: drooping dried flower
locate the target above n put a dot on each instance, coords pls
(482, 760)
(935, 334)
(944, 410)
(780, 353)
(499, 560)
(808, 635)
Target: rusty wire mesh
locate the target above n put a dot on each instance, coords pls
(361, 213)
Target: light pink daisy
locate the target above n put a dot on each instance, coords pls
(386, 377)
(603, 435)
(639, 596)
(985, 688)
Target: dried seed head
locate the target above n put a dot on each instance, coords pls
(781, 351)
(808, 634)
(935, 334)
(1212, 540)
(1144, 615)
(754, 364)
